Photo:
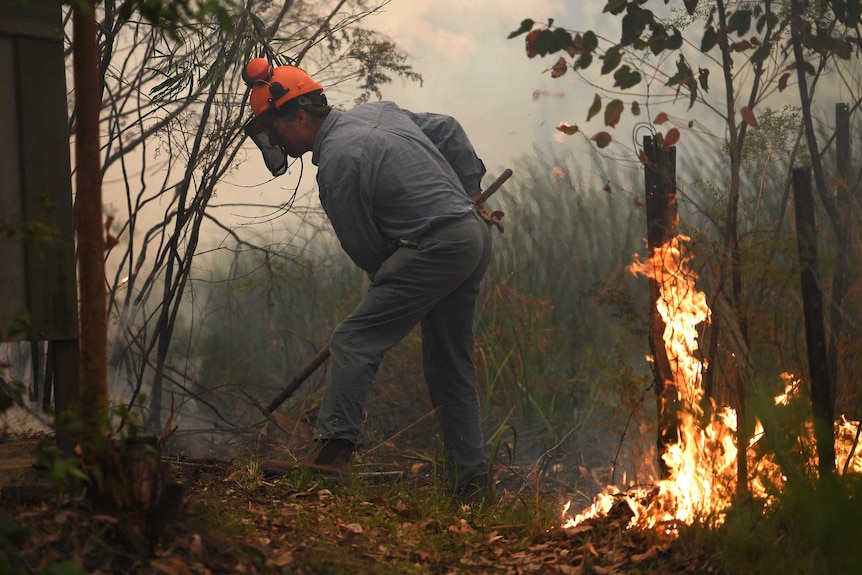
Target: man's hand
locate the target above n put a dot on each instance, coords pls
(492, 218)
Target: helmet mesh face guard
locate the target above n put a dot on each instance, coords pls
(262, 132)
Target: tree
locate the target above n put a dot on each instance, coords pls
(758, 46)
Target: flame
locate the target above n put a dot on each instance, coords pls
(702, 464)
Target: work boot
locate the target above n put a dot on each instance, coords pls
(478, 493)
(330, 459)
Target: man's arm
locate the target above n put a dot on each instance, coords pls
(449, 137)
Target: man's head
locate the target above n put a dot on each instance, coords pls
(288, 107)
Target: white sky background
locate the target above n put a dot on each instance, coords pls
(473, 72)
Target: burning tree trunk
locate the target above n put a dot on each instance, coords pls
(660, 183)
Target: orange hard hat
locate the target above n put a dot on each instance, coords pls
(273, 87)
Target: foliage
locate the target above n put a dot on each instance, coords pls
(757, 33)
(377, 59)
(816, 523)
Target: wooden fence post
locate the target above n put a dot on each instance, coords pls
(815, 335)
(841, 279)
(661, 210)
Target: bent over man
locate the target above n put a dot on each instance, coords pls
(397, 189)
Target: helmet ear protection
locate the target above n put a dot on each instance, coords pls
(276, 91)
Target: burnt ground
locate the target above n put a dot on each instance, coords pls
(230, 520)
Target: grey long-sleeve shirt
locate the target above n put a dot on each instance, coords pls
(386, 174)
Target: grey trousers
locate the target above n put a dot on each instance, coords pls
(434, 280)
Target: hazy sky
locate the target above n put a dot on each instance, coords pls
(473, 72)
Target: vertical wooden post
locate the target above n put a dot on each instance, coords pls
(840, 277)
(815, 335)
(661, 210)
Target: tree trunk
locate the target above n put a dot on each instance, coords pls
(815, 335)
(88, 221)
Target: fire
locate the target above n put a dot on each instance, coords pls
(702, 464)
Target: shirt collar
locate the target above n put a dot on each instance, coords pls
(327, 124)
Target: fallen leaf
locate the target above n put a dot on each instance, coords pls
(660, 119)
(283, 560)
(354, 528)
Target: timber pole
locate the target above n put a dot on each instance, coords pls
(661, 210)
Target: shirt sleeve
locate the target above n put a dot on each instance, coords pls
(348, 204)
(447, 134)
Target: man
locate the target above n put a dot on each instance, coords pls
(396, 187)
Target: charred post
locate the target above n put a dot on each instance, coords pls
(815, 335)
(661, 210)
(840, 277)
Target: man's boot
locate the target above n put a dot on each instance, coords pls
(331, 459)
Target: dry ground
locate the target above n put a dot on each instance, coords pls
(232, 521)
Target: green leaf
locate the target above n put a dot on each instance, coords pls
(583, 61)
(595, 108)
(634, 23)
(658, 44)
(615, 6)
(560, 39)
(710, 39)
(625, 78)
(703, 78)
(590, 41)
(761, 53)
(547, 43)
(612, 59)
(526, 25)
(683, 72)
(740, 22)
(674, 41)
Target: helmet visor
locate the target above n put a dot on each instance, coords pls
(262, 133)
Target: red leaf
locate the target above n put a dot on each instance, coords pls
(636, 109)
(602, 139)
(660, 119)
(531, 43)
(567, 129)
(749, 118)
(560, 68)
(594, 109)
(613, 112)
(671, 138)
